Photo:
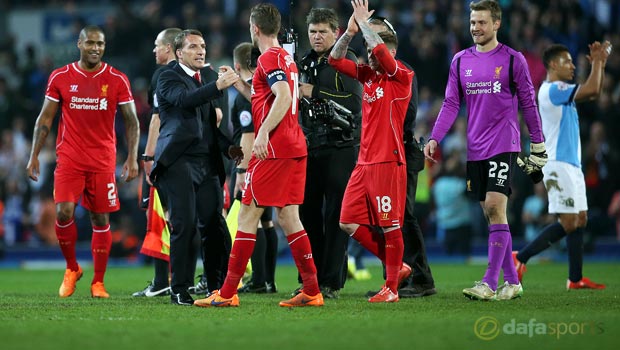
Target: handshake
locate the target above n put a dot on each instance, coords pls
(533, 164)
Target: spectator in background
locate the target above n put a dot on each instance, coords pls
(597, 168)
(534, 214)
(8, 105)
(453, 206)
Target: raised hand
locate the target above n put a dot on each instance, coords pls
(360, 11)
(606, 48)
(599, 51)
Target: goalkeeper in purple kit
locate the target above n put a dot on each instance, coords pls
(493, 80)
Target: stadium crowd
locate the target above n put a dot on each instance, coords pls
(430, 32)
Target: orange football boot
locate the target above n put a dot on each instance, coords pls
(303, 299)
(67, 288)
(97, 290)
(215, 300)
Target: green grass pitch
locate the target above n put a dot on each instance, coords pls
(547, 317)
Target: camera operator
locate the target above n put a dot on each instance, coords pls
(332, 133)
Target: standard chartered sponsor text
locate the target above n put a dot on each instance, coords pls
(76, 99)
(475, 88)
(86, 103)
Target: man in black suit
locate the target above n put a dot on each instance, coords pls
(188, 168)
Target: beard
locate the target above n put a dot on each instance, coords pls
(483, 40)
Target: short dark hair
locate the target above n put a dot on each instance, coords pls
(267, 18)
(488, 5)
(88, 29)
(169, 35)
(180, 38)
(323, 15)
(242, 54)
(552, 52)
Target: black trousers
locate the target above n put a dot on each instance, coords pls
(327, 175)
(413, 240)
(195, 200)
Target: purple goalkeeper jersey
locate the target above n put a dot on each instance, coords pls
(492, 108)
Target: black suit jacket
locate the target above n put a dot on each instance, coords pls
(185, 109)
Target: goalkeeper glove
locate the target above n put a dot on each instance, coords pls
(537, 158)
(535, 175)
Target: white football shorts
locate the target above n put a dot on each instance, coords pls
(566, 188)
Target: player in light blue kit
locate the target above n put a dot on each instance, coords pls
(564, 179)
(494, 82)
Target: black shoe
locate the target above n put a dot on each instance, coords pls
(329, 293)
(182, 298)
(250, 287)
(152, 290)
(200, 287)
(271, 287)
(417, 291)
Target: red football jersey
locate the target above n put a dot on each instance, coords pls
(86, 138)
(287, 140)
(384, 105)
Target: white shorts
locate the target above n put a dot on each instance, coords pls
(566, 188)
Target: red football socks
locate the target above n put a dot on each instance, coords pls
(371, 240)
(239, 256)
(66, 232)
(302, 254)
(101, 242)
(393, 258)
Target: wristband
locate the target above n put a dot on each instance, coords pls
(147, 158)
(240, 170)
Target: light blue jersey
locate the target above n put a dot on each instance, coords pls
(560, 122)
